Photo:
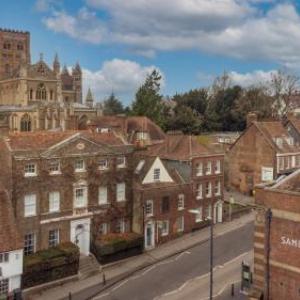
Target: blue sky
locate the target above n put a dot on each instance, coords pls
(118, 42)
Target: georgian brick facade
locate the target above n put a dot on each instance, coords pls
(56, 181)
(188, 190)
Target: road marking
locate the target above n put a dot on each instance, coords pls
(202, 277)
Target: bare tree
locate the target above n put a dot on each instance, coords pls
(283, 87)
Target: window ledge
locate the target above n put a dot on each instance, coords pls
(181, 208)
(80, 171)
(199, 198)
(121, 166)
(165, 234)
(30, 175)
(55, 173)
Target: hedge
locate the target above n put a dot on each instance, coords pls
(114, 246)
(51, 264)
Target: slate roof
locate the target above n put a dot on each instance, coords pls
(9, 236)
(295, 122)
(290, 183)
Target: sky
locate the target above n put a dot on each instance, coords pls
(118, 42)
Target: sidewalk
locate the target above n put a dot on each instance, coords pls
(118, 271)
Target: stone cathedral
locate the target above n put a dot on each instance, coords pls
(36, 96)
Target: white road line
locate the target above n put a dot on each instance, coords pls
(201, 277)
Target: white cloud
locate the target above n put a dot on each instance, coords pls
(257, 77)
(46, 5)
(84, 26)
(235, 28)
(123, 77)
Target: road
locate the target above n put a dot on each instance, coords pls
(162, 278)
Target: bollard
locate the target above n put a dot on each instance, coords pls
(103, 279)
(232, 289)
(70, 296)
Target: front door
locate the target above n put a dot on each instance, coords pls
(149, 235)
(80, 235)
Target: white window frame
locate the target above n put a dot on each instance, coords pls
(83, 201)
(199, 215)
(30, 205)
(149, 212)
(54, 241)
(208, 168)
(199, 169)
(121, 192)
(102, 195)
(122, 225)
(30, 169)
(33, 244)
(208, 191)
(76, 166)
(181, 199)
(156, 174)
(103, 228)
(293, 161)
(123, 164)
(104, 166)
(180, 220)
(165, 229)
(218, 166)
(199, 191)
(57, 170)
(208, 212)
(54, 201)
(218, 188)
(4, 257)
(4, 286)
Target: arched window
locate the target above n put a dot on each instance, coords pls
(41, 93)
(25, 123)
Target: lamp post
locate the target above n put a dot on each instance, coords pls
(211, 252)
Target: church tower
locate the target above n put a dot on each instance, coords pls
(77, 83)
(89, 100)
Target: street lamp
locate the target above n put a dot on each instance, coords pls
(211, 252)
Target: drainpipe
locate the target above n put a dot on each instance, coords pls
(268, 250)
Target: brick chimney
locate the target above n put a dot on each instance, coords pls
(251, 117)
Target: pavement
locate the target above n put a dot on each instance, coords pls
(118, 272)
(238, 197)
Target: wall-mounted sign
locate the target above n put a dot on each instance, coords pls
(290, 242)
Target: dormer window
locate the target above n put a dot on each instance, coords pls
(30, 170)
(156, 174)
(121, 162)
(79, 165)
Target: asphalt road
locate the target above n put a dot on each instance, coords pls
(172, 273)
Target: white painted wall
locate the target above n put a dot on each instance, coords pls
(13, 269)
(164, 175)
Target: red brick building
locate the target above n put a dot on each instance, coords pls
(262, 153)
(173, 180)
(67, 186)
(277, 240)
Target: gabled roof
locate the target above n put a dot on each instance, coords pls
(179, 174)
(9, 236)
(295, 122)
(271, 132)
(41, 141)
(179, 147)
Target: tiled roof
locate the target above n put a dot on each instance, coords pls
(275, 130)
(179, 147)
(296, 123)
(9, 235)
(41, 140)
(144, 124)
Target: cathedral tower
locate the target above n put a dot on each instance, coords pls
(77, 83)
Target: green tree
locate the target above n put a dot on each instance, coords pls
(112, 106)
(148, 101)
